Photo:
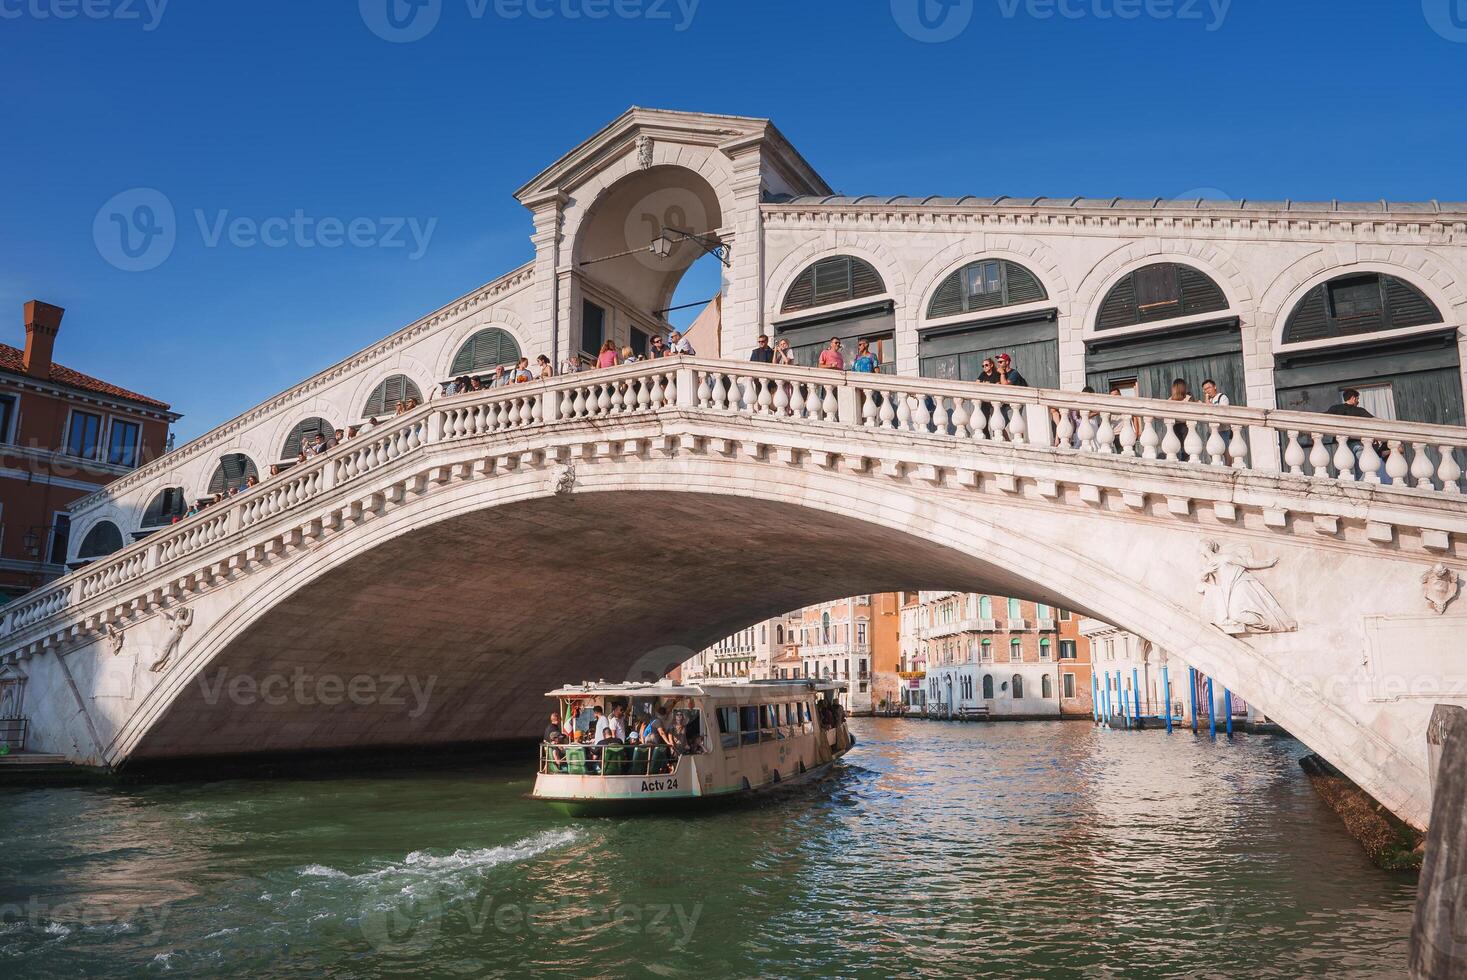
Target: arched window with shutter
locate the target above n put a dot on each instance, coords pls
(988, 686)
(987, 284)
(103, 539)
(164, 507)
(837, 279)
(1357, 304)
(1046, 687)
(1018, 687)
(306, 430)
(232, 472)
(1377, 334)
(485, 351)
(384, 397)
(1161, 291)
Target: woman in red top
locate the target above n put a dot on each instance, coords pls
(607, 357)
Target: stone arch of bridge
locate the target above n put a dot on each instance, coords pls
(506, 588)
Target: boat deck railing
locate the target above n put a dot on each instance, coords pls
(571, 759)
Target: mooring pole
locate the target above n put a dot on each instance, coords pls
(1166, 693)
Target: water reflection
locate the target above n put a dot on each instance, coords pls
(1004, 849)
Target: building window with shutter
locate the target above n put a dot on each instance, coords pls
(593, 328)
(1352, 298)
(7, 418)
(83, 434)
(122, 443)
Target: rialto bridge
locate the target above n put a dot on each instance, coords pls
(493, 543)
(497, 542)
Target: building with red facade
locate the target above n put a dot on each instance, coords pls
(63, 434)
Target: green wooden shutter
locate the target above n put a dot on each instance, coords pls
(1407, 307)
(1021, 285)
(233, 470)
(1199, 293)
(164, 507)
(1310, 319)
(1118, 309)
(307, 429)
(484, 350)
(948, 300)
(385, 396)
(101, 540)
(833, 280)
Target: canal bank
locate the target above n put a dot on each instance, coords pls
(1025, 850)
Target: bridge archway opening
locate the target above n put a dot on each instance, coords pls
(605, 604)
(621, 285)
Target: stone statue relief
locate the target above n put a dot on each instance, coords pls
(1235, 600)
(644, 151)
(114, 638)
(1440, 586)
(565, 478)
(178, 624)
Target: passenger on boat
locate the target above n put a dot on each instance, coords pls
(553, 733)
(614, 724)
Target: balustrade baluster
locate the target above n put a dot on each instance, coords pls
(1087, 431)
(1396, 466)
(887, 414)
(870, 413)
(1147, 437)
(654, 392)
(1192, 442)
(1344, 460)
(1018, 427)
(1171, 446)
(1105, 436)
(1370, 461)
(996, 420)
(1421, 469)
(1064, 430)
(960, 417)
(720, 393)
(796, 399)
(766, 396)
(830, 406)
(1448, 471)
(617, 402)
(1294, 454)
(1319, 457)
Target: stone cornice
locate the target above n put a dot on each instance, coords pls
(504, 284)
(1422, 229)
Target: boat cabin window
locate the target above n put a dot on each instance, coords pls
(749, 724)
(728, 726)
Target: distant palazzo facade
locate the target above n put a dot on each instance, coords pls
(1282, 303)
(1003, 657)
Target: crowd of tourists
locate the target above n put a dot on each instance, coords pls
(603, 735)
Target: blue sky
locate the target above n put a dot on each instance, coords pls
(268, 109)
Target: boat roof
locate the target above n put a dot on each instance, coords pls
(667, 689)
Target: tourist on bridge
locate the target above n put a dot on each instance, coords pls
(547, 371)
(831, 357)
(782, 352)
(1008, 374)
(607, 357)
(659, 347)
(762, 352)
(865, 362)
(1181, 393)
(678, 344)
(1214, 395)
(1349, 405)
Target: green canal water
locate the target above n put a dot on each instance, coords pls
(1016, 850)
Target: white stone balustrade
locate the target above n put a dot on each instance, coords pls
(1409, 457)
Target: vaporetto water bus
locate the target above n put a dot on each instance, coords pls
(687, 743)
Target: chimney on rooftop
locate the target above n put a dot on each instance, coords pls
(42, 320)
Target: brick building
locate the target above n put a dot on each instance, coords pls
(63, 434)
